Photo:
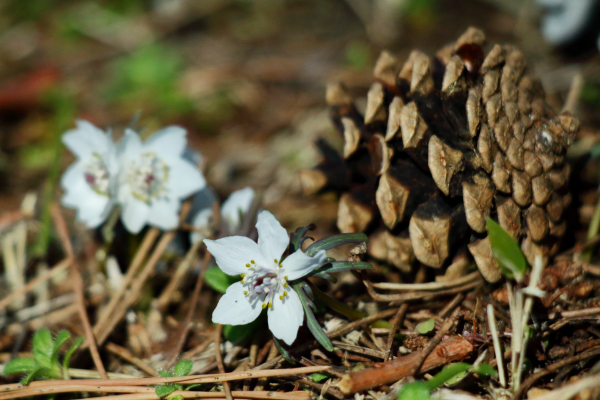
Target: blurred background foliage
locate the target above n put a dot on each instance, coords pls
(246, 78)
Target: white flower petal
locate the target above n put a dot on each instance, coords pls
(135, 215)
(92, 208)
(286, 317)
(169, 142)
(238, 202)
(164, 214)
(87, 139)
(234, 308)
(130, 147)
(273, 239)
(298, 264)
(234, 252)
(202, 221)
(184, 178)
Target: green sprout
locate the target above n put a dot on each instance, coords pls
(45, 364)
(182, 368)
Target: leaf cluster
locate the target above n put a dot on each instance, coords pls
(45, 363)
(182, 368)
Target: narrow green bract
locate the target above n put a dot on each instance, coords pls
(506, 251)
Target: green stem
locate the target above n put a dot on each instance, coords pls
(586, 256)
(108, 230)
(343, 309)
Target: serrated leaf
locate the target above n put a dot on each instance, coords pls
(72, 349)
(20, 365)
(340, 266)
(506, 251)
(297, 237)
(486, 370)
(312, 323)
(319, 377)
(60, 339)
(448, 373)
(183, 368)
(165, 390)
(165, 374)
(424, 328)
(219, 280)
(414, 391)
(283, 351)
(43, 347)
(335, 241)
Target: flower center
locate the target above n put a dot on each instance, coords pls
(96, 174)
(264, 283)
(148, 177)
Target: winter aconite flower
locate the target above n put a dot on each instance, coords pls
(154, 178)
(237, 205)
(88, 183)
(265, 278)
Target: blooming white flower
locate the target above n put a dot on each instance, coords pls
(153, 178)
(237, 204)
(265, 278)
(88, 183)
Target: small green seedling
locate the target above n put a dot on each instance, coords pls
(450, 375)
(44, 364)
(182, 368)
(426, 327)
(506, 251)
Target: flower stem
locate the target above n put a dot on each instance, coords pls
(108, 230)
(343, 309)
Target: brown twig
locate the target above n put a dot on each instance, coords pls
(59, 267)
(182, 269)
(434, 342)
(132, 295)
(452, 349)
(188, 319)
(418, 295)
(129, 357)
(359, 350)
(220, 360)
(555, 367)
(63, 234)
(329, 390)
(139, 257)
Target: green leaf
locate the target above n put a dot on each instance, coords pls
(335, 241)
(43, 347)
(283, 351)
(414, 391)
(319, 377)
(72, 349)
(183, 368)
(176, 397)
(193, 386)
(31, 375)
(219, 280)
(506, 251)
(453, 380)
(425, 327)
(165, 374)
(339, 266)
(20, 365)
(297, 237)
(485, 369)
(240, 334)
(165, 390)
(60, 339)
(311, 321)
(448, 373)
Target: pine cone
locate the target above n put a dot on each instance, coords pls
(444, 144)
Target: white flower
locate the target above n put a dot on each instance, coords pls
(237, 204)
(264, 278)
(88, 183)
(154, 178)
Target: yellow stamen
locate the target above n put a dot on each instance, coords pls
(286, 278)
(275, 261)
(243, 275)
(245, 292)
(252, 261)
(280, 297)
(285, 284)
(270, 305)
(264, 305)
(247, 265)
(285, 293)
